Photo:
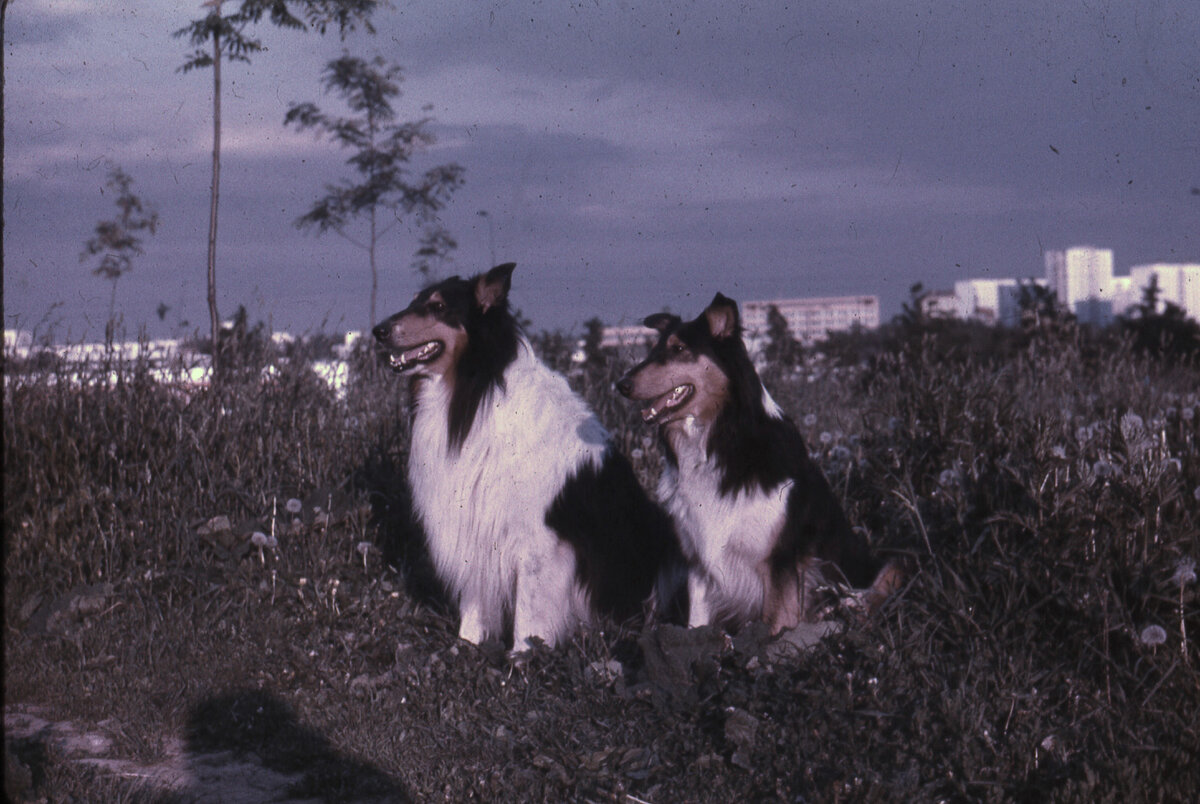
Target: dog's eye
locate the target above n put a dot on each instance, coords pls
(436, 306)
(678, 348)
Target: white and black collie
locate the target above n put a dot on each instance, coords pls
(534, 520)
(760, 528)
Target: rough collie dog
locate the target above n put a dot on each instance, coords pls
(759, 526)
(534, 520)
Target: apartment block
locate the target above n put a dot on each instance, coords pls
(811, 320)
(1178, 283)
(1082, 278)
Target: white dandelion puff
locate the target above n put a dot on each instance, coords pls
(1153, 635)
(293, 506)
(1185, 571)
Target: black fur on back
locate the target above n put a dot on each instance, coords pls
(624, 543)
(492, 340)
(755, 449)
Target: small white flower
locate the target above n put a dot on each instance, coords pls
(825, 438)
(810, 420)
(1153, 635)
(636, 453)
(293, 506)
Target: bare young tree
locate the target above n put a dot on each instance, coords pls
(221, 37)
(116, 242)
(381, 151)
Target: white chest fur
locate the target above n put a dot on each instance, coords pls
(726, 538)
(484, 505)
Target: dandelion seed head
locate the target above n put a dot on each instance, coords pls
(1185, 571)
(825, 438)
(363, 548)
(293, 506)
(1153, 635)
(810, 420)
(1187, 414)
(636, 453)
(258, 539)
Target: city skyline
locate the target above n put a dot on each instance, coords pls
(627, 160)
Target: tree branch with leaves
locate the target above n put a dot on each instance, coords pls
(381, 153)
(219, 37)
(117, 241)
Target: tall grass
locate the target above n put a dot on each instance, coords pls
(1044, 497)
(108, 473)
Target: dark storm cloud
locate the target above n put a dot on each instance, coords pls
(628, 156)
(40, 27)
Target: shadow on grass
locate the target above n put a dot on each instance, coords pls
(276, 754)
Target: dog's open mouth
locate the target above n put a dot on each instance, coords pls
(402, 361)
(667, 402)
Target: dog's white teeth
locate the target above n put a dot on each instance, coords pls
(397, 361)
(677, 393)
(426, 350)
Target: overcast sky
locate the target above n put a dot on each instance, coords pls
(629, 156)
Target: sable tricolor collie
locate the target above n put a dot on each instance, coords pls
(759, 526)
(531, 514)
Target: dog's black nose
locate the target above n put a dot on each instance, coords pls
(381, 331)
(625, 386)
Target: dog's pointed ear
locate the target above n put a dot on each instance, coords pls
(722, 317)
(660, 321)
(492, 288)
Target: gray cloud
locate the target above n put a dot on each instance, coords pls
(628, 158)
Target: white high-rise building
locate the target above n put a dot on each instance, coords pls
(1178, 283)
(1082, 278)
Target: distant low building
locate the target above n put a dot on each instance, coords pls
(992, 301)
(1178, 283)
(811, 320)
(940, 304)
(627, 337)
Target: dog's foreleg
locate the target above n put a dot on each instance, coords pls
(547, 600)
(783, 594)
(475, 625)
(699, 604)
